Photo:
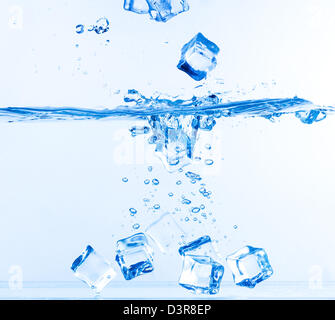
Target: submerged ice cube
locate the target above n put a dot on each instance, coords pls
(93, 269)
(249, 266)
(134, 256)
(202, 246)
(201, 274)
(165, 232)
(175, 138)
(138, 6)
(163, 10)
(198, 57)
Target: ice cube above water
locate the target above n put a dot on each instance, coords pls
(138, 6)
(198, 57)
(93, 269)
(134, 256)
(163, 10)
(201, 274)
(249, 266)
(166, 233)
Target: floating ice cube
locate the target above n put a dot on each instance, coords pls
(165, 232)
(202, 246)
(93, 269)
(201, 274)
(249, 266)
(134, 256)
(138, 6)
(198, 57)
(163, 10)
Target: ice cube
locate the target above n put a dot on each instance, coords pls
(165, 232)
(134, 256)
(201, 274)
(175, 138)
(93, 269)
(202, 246)
(138, 6)
(163, 10)
(198, 57)
(249, 266)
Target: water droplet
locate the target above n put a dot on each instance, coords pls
(178, 182)
(102, 25)
(136, 226)
(235, 226)
(208, 146)
(186, 201)
(209, 162)
(157, 206)
(125, 179)
(187, 219)
(202, 207)
(170, 194)
(132, 211)
(79, 28)
(146, 181)
(139, 130)
(155, 182)
(195, 210)
(150, 168)
(192, 176)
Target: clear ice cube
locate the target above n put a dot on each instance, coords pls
(202, 246)
(249, 266)
(93, 269)
(175, 139)
(201, 274)
(198, 57)
(163, 10)
(137, 6)
(166, 233)
(134, 256)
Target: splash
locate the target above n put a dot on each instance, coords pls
(174, 122)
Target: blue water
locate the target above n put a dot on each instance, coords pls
(154, 106)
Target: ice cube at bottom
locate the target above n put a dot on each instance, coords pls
(201, 274)
(134, 256)
(163, 10)
(137, 6)
(166, 233)
(249, 266)
(198, 57)
(93, 269)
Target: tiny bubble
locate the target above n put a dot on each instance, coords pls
(136, 226)
(209, 162)
(79, 28)
(125, 179)
(133, 211)
(155, 182)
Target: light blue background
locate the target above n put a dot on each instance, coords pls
(60, 182)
